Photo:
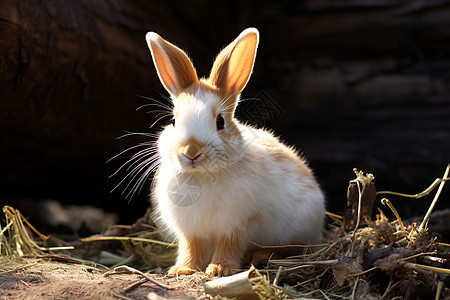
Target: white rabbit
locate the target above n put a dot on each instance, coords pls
(220, 184)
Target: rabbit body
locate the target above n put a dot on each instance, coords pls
(222, 185)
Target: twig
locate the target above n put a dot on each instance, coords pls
(332, 215)
(390, 288)
(364, 272)
(4, 242)
(21, 237)
(19, 268)
(126, 269)
(298, 267)
(419, 195)
(323, 294)
(125, 238)
(403, 259)
(388, 203)
(135, 284)
(440, 286)
(354, 288)
(336, 218)
(57, 248)
(290, 246)
(435, 259)
(120, 296)
(418, 254)
(424, 267)
(13, 211)
(23, 282)
(5, 228)
(277, 276)
(438, 193)
(359, 216)
(311, 279)
(286, 262)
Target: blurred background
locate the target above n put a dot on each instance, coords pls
(362, 84)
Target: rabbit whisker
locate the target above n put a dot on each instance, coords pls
(163, 106)
(160, 103)
(138, 155)
(152, 161)
(159, 119)
(126, 150)
(129, 133)
(139, 184)
(129, 163)
(134, 185)
(160, 112)
(250, 99)
(228, 108)
(168, 99)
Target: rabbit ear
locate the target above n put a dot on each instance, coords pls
(234, 64)
(175, 70)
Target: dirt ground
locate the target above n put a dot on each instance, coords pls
(39, 278)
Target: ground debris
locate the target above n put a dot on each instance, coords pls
(372, 258)
(345, 267)
(361, 195)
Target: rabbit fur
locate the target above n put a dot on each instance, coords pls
(222, 185)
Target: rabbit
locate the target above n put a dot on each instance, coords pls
(221, 185)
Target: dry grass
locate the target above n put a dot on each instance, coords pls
(367, 263)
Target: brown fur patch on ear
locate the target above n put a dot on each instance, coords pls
(219, 71)
(218, 78)
(174, 67)
(241, 61)
(233, 66)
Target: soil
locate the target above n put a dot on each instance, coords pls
(39, 278)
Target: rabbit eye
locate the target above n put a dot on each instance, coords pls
(220, 122)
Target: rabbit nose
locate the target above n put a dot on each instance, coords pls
(193, 149)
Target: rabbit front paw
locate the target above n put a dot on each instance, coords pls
(180, 270)
(221, 269)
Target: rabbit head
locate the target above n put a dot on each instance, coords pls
(203, 136)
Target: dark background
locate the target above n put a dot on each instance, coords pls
(361, 84)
